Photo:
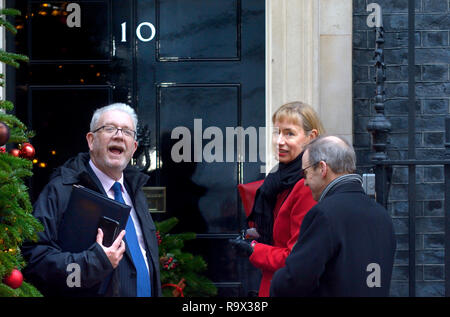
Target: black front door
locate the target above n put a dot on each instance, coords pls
(194, 71)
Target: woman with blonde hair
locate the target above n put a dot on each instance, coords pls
(282, 200)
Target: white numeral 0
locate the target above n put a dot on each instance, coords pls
(138, 31)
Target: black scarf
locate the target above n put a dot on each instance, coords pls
(285, 176)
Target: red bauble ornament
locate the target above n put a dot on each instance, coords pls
(4, 133)
(14, 152)
(14, 280)
(27, 151)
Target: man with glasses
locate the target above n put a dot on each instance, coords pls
(346, 243)
(129, 267)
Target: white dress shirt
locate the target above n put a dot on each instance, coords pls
(107, 183)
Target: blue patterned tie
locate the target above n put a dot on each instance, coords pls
(143, 278)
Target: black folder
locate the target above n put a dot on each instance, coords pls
(78, 229)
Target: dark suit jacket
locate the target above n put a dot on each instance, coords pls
(47, 264)
(346, 247)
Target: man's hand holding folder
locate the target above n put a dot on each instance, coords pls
(116, 250)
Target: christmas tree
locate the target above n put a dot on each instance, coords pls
(16, 221)
(180, 271)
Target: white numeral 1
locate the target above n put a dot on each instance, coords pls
(124, 31)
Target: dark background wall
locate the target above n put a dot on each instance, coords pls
(432, 53)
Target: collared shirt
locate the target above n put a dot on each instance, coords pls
(107, 183)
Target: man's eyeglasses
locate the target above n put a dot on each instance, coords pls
(302, 171)
(112, 130)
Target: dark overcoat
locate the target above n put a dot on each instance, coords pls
(47, 264)
(345, 247)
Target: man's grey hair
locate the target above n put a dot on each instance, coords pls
(115, 106)
(335, 151)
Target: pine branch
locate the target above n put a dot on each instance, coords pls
(28, 290)
(5, 169)
(12, 121)
(11, 28)
(8, 260)
(12, 58)
(18, 130)
(6, 291)
(6, 105)
(16, 162)
(166, 225)
(10, 12)
(187, 266)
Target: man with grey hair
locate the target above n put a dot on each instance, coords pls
(130, 266)
(346, 243)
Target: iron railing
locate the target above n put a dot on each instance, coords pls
(379, 127)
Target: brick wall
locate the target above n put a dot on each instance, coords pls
(432, 70)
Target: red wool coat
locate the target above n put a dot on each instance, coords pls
(288, 216)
